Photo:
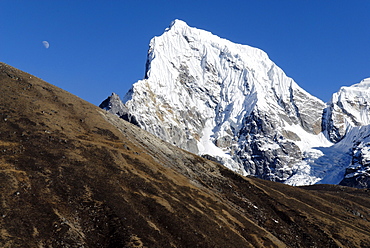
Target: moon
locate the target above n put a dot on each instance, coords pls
(46, 44)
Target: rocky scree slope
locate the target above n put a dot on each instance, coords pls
(231, 103)
(74, 175)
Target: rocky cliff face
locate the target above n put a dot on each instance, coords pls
(231, 103)
(114, 104)
(357, 141)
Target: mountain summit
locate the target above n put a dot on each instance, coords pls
(231, 103)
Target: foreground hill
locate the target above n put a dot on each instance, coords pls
(74, 175)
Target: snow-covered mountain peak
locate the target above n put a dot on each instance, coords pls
(188, 38)
(184, 47)
(349, 107)
(177, 24)
(365, 84)
(231, 103)
(361, 89)
(213, 97)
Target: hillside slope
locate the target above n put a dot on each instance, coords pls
(74, 175)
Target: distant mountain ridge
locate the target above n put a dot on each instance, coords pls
(231, 103)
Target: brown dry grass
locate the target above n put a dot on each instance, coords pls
(72, 175)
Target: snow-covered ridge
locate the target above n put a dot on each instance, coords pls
(229, 101)
(349, 107)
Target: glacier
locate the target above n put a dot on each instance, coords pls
(230, 103)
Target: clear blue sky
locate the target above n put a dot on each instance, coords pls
(99, 47)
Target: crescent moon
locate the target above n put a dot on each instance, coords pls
(46, 44)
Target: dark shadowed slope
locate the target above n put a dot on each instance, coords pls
(73, 175)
